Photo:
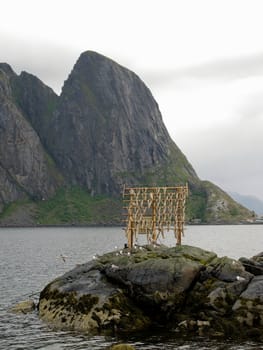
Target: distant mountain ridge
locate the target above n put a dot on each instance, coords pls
(250, 202)
(103, 131)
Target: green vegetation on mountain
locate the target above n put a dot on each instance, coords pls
(196, 206)
(69, 206)
(74, 206)
(221, 208)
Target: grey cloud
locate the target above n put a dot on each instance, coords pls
(252, 107)
(230, 156)
(223, 69)
(49, 62)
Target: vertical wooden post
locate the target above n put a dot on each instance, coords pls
(154, 236)
(179, 221)
(132, 233)
(131, 219)
(179, 232)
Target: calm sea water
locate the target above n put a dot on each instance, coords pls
(30, 258)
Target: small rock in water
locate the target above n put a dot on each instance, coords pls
(24, 307)
(122, 347)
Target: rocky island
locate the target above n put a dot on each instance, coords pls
(186, 289)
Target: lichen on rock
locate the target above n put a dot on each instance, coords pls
(184, 288)
(23, 307)
(84, 300)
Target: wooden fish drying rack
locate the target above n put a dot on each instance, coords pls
(153, 210)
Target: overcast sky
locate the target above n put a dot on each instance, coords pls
(202, 60)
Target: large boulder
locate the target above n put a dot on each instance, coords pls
(256, 268)
(157, 276)
(184, 288)
(249, 306)
(254, 264)
(83, 299)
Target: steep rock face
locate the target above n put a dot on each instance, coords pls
(25, 169)
(108, 129)
(9, 191)
(36, 100)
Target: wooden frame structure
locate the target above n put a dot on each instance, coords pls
(153, 210)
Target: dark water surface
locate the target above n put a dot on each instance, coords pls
(30, 258)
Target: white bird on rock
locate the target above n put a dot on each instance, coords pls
(115, 267)
(239, 278)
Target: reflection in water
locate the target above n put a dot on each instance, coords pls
(30, 258)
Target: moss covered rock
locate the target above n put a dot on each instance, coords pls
(249, 306)
(85, 300)
(186, 288)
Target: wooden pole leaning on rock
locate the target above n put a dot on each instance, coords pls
(154, 209)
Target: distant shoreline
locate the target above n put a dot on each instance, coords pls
(119, 225)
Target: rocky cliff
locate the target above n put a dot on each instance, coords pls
(111, 130)
(26, 170)
(103, 131)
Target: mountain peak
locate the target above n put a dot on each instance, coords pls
(6, 68)
(95, 56)
(111, 129)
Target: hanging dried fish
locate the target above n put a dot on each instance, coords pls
(152, 210)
